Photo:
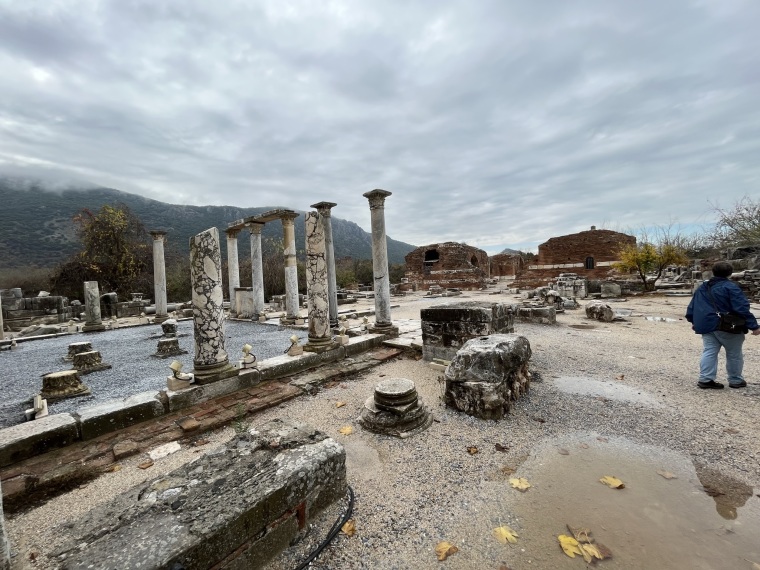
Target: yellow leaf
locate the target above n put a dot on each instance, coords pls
(612, 482)
(346, 430)
(445, 549)
(507, 470)
(666, 474)
(339, 404)
(349, 527)
(520, 483)
(472, 450)
(569, 545)
(504, 534)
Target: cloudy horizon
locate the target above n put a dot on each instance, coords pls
(496, 124)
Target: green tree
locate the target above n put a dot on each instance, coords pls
(651, 254)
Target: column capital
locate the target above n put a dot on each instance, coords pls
(232, 233)
(376, 198)
(158, 234)
(323, 208)
(255, 227)
(288, 217)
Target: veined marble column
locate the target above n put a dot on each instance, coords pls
(320, 338)
(383, 324)
(211, 362)
(257, 270)
(233, 266)
(291, 272)
(324, 209)
(92, 321)
(159, 275)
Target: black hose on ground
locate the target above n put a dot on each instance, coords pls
(333, 531)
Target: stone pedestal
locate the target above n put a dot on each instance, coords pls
(233, 268)
(93, 321)
(395, 409)
(291, 272)
(383, 324)
(325, 213)
(169, 328)
(159, 275)
(64, 384)
(211, 362)
(91, 361)
(168, 347)
(76, 348)
(320, 336)
(257, 271)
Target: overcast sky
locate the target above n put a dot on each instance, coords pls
(497, 123)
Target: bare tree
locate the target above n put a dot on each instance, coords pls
(738, 225)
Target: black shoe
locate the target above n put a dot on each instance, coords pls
(742, 385)
(711, 384)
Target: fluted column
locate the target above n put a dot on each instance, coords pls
(320, 337)
(324, 209)
(291, 271)
(233, 266)
(92, 321)
(159, 275)
(257, 270)
(383, 324)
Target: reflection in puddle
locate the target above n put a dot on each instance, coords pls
(582, 327)
(662, 319)
(612, 390)
(728, 494)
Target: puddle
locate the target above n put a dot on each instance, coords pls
(653, 523)
(662, 319)
(623, 312)
(612, 390)
(582, 327)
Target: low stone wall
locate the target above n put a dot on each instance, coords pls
(537, 315)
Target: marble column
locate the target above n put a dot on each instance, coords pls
(5, 549)
(159, 275)
(291, 271)
(211, 362)
(233, 267)
(382, 287)
(320, 337)
(324, 209)
(257, 270)
(2, 327)
(92, 321)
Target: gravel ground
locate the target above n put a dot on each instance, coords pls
(619, 399)
(128, 350)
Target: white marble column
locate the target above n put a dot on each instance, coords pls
(324, 209)
(233, 266)
(159, 275)
(92, 321)
(291, 271)
(211, 362)
(320, 337)
(257, 270)
(2, 327)
(5, 549)
(382, 288)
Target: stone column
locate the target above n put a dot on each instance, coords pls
(382, 288)
(92, 321)
(332, 286)
(233, 268)
(211, 362)
(291, 272)
(159, 275)
(257, 270)
(2, 327)
(5, 550)
(320, 338)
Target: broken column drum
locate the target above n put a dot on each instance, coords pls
(90, 361)
(324, 209)
(64, 384)
(233, 267)
(93, 321)
(320, 337)
(383, 324)
(169, 328)
(257, 270)
(211, 361)
(395, 409)
(168, 347)
(159, 275)
(77, 347)
(291, 272)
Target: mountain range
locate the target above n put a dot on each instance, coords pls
(36, 227)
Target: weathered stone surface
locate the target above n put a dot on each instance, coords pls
(233, 508)
(168, 347)
(610, 290)
(91, 361)
(506, 264)
(93, 320)
(487, 374)
(5, 551)
(124, 449)
(537, 315)
(34, 438)
(600, 311)
(320, 335)
(118, 414)
(76, 348)
(446, 265)
(63, 384)
(395, 409)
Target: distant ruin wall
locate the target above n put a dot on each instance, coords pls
(506, 265)
(447, 265)
(573, 251)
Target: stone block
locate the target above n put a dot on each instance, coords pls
(284, 365)
(200, 393)
(28, 439)
(124, 449)
(235, 507)
(537, 315)
(118, 414)
(610, 290)
(600, 311)
(358, 344)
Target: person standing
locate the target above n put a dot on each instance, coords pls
(720, 295)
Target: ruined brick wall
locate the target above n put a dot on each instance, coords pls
(448, 264)
(506, 265)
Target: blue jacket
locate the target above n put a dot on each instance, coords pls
(728, 299)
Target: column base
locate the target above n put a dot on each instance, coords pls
(161, 318)
(320, 345)
(384, 328)
(93, 327)
(210, 374)
(291, 321)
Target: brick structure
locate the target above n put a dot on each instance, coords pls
(448, 265)
(506, 265)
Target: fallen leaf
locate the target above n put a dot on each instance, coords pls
(339, 404)
(472, 450)
(445, 549)
(114, 468)
(349, 527)
(612, 482)
(666, 474)
(731, 430)
(504, 534)
(520, 483)
(580, 534)
(145, 464)
(563, 451)
(500, 447)
(507, 470)
(539, 420)
(604, 439)
(620, 377)
(569, 545)
(584, 446)
(346, 430)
